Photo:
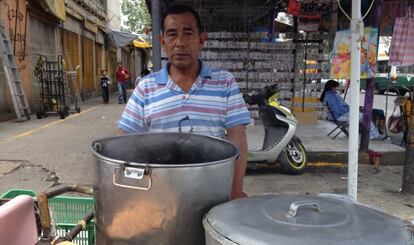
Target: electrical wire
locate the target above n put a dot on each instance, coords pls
(343, 11)
(349, 18)
(369, 9)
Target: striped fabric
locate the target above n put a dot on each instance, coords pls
(213, 104)
(402, 45)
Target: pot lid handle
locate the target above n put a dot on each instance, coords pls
(181, 121)
(294, 206)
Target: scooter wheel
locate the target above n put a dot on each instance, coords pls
(293, 158)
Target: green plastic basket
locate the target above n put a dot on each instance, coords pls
(66, 212)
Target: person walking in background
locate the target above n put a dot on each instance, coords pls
(105, 82)
(122, 78)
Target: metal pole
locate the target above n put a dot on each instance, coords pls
(156, 26)
(295, 54)
(386, 103)
(304, 72)
(357, 27)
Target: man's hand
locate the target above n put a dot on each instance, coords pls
(237, 136)
(236, 195)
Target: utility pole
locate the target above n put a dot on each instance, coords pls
(357, 29)
(156, 26)
(373, 19)
(408, 174)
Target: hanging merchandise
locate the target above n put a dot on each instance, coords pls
(391, 9)
(308, 25)
(395, 123)
(341, 54)
(402, 46)
(293, 7)
(305, 10)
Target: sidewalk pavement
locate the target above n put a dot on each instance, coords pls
(321, 147)
(324, 151)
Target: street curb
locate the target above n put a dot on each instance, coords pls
(338, 161)
(326, 167)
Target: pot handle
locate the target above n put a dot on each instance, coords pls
(294, 206)
(132, 173)
(180, 128)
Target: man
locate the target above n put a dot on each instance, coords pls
(188, 87)
(122, 77)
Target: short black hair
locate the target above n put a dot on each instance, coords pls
(329, 85)
(181, 9)
(145, 72)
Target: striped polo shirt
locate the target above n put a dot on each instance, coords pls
(213, 104)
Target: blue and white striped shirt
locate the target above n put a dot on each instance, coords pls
(213, 104)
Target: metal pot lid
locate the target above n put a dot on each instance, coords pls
(314, 219)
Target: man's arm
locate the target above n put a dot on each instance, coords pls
(132, 118)
(237, 136)
(127, 75)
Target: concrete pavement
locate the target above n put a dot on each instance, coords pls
(38, 154)
(322, 147)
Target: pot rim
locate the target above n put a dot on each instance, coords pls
(157, 165)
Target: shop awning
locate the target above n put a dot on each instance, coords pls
(122, 39)
(141, 43)
(55, 7)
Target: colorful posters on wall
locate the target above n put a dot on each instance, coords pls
(369, 53)
(341, 54)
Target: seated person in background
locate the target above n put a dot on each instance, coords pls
(339, 108)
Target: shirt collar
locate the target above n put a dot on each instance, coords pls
(162, 76)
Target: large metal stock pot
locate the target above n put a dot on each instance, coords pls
(154, 188)
(323, 219)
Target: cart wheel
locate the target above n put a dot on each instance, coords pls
(27, 114)
(66, 111)
(62, 113)
(39, 113)
(78, 109)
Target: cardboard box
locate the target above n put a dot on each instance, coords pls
(307, 118)
(297, 109)
(306, 100)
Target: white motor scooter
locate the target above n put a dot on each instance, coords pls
(276, 140)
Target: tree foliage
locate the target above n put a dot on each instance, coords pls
(137, 15)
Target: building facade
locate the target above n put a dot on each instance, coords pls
(77, 30)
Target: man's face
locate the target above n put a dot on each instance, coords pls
(181, 40)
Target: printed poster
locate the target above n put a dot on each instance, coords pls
(372, 53)
(341, 54)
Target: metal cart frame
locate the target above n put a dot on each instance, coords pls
(55, 93)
